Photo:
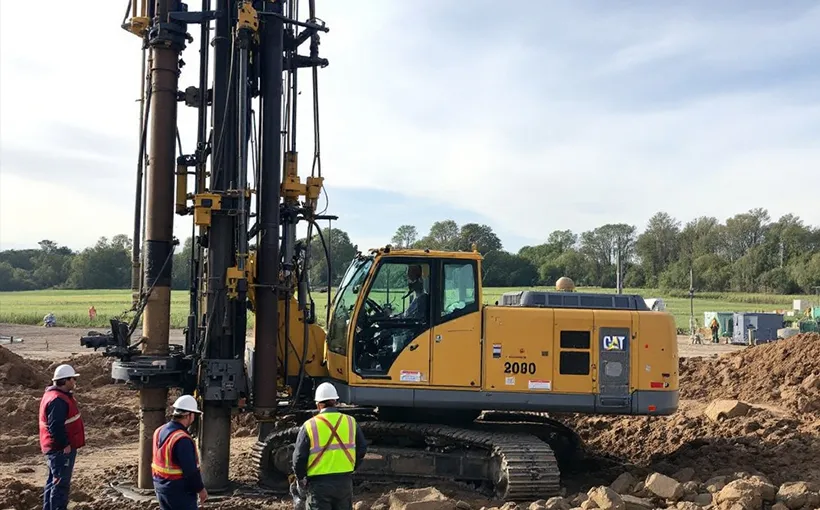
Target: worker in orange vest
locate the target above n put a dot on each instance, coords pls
(175, 464)
(329, 448)
(62, 433)
(715, 327)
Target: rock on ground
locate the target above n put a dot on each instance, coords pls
(635, 503)
(796, 495)
(606, 498)
(684, 475)
(726, 409)
(428, 498)
(623, 483)
(741, 493)
(664, 486)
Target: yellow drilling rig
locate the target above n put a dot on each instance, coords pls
(445, 386)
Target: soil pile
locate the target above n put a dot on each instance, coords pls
(109, 411)
(785, 373)
(19, 495)
(781, 448)
(94, 370)
(16, 371)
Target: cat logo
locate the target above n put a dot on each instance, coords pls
(614, 343)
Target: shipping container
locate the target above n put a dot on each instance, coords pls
(763, 326)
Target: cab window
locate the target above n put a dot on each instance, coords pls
(459, 293)
(344, 303)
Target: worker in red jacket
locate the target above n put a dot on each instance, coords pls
(175, 464)
(62, 433)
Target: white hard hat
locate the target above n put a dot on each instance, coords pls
(187, 403)
(64, 372)
(326, 391)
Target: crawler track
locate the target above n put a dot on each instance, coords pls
(514, 466)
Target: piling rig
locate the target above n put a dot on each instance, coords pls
(251, 50)
(444, 386)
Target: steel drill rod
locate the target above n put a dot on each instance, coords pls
(158, 233)
(242, 155)
(220, 318)
(267, 322)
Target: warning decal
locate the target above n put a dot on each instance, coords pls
(539, 384)
(410, 376)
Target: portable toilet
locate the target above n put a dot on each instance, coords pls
(763, 327)
(725, 322)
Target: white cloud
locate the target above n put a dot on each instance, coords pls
(556, 119)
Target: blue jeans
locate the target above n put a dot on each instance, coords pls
(176, 500)
(60, 468)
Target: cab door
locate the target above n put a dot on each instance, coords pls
(456, 339)
(390, 336)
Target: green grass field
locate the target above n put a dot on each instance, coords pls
(71, 306)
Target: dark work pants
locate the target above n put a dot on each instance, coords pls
(331, 493)
(58, 484)
(176, 500)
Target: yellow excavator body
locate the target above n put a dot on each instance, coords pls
(462, 390)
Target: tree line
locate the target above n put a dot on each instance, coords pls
(747, 253)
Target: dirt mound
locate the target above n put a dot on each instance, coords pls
(110, 411)
(785, 372)
(782, 449)
(16, 371)
(94, 370)
(19, 495)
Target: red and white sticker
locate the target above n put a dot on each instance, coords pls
(539, 384)
(410, 376)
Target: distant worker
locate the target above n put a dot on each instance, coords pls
(49, 320)
(329, 448)
(565, 284)
(175, 464)
(62, 433)
(92, 313)
(415, 285)
(714, 326)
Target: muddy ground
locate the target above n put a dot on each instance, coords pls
(777, 437)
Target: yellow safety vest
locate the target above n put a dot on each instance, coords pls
(332, 438)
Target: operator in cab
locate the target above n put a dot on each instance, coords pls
(418, 306)
(175, 464)
(329, 448)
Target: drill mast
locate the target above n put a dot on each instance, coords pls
(254, 43)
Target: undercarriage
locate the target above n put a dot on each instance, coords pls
(511, 455)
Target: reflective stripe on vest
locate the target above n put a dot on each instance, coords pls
(162, 464)
(329, 453)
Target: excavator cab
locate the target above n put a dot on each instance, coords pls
(403, 317)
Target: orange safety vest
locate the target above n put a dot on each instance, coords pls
(163, 465)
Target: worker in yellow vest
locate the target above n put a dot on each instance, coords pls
(329, 448)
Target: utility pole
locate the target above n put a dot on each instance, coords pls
(691, 302)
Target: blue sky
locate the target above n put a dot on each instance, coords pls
(532, 117)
